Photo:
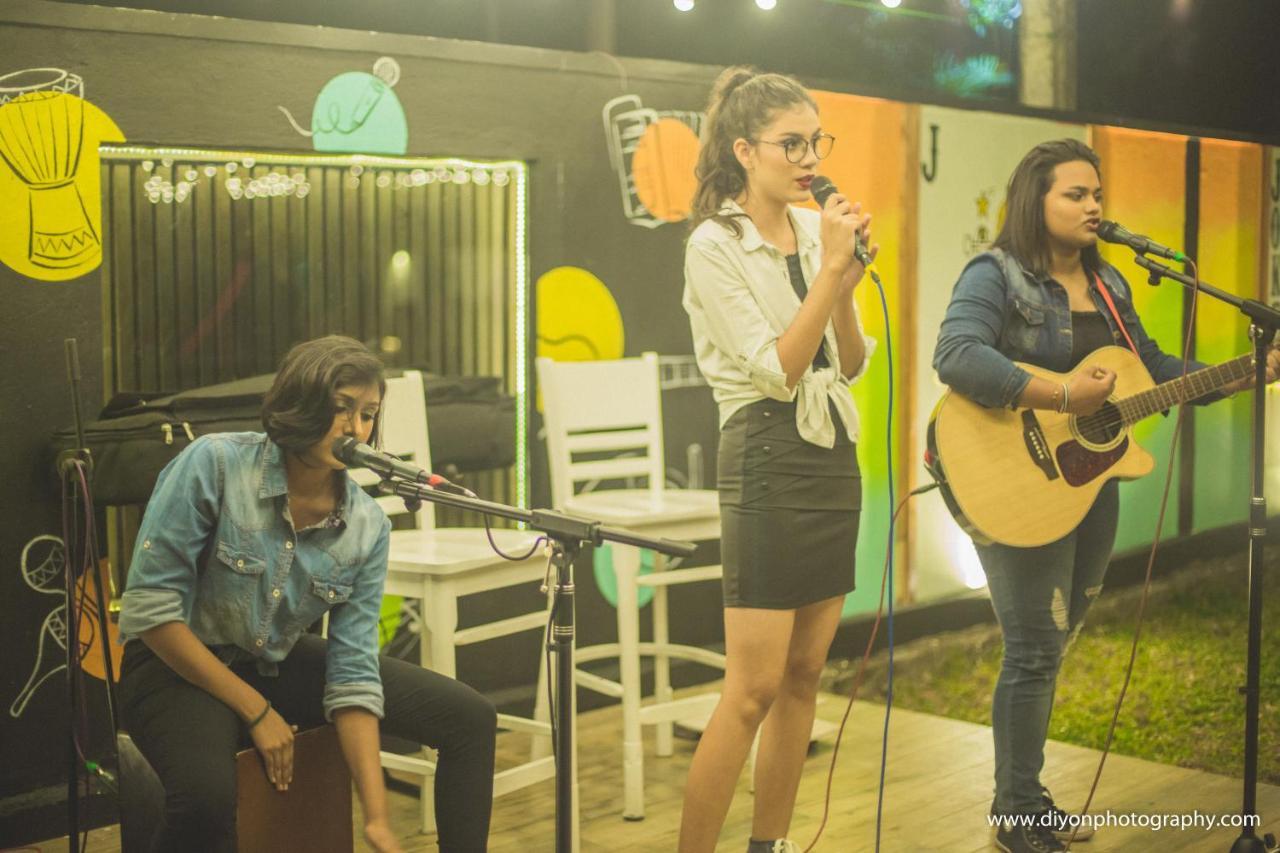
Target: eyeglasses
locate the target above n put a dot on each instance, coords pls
(796, 149)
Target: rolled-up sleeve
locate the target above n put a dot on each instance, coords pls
(179, 519)
(351, 666)
(722, 309)
(966, 357)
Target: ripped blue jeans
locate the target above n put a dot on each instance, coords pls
(1040, 596)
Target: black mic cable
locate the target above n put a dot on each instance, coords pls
(886, 581)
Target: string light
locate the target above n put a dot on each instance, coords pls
(240, 184)
(683, 5)
(766, 4)
(892, 4)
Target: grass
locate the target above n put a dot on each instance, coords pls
(1182, 707)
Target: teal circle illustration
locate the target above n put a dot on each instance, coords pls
(607, 581)
(357, 111)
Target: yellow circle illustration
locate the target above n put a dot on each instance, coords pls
(50, 202)
(577, 317)
(663, 169)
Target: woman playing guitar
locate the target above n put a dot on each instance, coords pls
(1044, 296)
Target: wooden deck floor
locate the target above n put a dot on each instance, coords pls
(937, 793)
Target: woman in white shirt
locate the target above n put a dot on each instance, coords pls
(769, 292)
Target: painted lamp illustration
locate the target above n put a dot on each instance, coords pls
(357, 111)
(41, 135)
(653, 154)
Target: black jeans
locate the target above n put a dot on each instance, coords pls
(190, 739)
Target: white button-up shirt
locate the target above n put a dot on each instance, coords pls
(739, 298)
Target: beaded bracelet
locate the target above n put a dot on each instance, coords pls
(261, 716)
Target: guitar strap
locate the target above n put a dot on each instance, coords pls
(1106, 297)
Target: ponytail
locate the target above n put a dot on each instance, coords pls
(742, 102)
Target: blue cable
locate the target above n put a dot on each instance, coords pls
(888, 705)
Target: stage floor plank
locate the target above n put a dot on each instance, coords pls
(937, 793)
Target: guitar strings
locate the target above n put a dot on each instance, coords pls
(1112, 415)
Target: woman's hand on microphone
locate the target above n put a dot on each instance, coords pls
(856, 269)
(839, 229)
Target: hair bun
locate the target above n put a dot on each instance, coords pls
(730, 80)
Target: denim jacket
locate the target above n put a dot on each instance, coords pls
(1001, 312)
(218, 551)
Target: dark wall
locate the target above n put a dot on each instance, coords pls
(1188, 63)
(1195, 64)
(216, 83)
(866, 45)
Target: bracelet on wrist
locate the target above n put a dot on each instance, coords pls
(1066, 399)
(262, 716)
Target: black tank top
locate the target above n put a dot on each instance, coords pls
(1089, 331)
(796, 273)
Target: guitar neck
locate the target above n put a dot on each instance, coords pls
(1166, 395)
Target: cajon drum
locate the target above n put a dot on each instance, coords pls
(313, 816)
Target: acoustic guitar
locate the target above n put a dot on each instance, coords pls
(1027, 477)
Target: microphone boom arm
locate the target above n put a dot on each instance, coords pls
(555, 525)
(1259, 312)
(567, 534)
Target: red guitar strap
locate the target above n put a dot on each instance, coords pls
(1106, 297)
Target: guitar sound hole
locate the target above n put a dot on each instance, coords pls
(1102, 427)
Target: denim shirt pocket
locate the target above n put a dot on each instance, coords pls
(1024, 332)
(322, 596)
(229, 592)
(331, 593)
(240, 560)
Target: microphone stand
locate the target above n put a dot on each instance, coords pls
(80, 552)
(1264, 321)
(567, 535)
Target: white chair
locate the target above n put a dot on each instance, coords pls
(437, 566)
(604, 422)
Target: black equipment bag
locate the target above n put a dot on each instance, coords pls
(472, 427)
(471, 422)
(139, 433)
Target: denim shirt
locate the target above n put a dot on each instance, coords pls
(218, 551)
(1001, 312)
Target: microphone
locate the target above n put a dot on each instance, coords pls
(1113, 232)
(357, 454)
(822, 189)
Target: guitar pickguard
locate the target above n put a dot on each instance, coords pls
(1080, 465)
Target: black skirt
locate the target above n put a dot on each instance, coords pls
(789, 510)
